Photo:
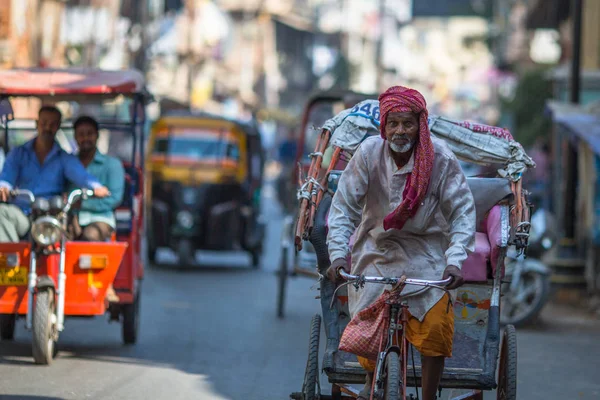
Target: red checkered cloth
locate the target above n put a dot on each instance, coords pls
(367, 333)
(501, 133)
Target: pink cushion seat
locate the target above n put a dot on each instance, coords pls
(474, 269)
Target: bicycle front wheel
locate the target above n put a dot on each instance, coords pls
(392, 377)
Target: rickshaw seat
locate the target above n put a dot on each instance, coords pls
(487, 249)
(474, 269)
(487, 192)
(131, 187)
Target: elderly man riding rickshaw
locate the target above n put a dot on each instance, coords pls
(402, 222)
(395, 190)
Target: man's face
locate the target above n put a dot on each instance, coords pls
(86, 136)
(48, 124)
(402, 131)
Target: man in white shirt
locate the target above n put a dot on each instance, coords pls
(409, 200)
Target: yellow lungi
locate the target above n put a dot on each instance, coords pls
(432, 337)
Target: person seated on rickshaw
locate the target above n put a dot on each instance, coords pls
(95, 219)
(42, 167)
(406, 193)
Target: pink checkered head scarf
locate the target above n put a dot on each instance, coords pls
(401, 99)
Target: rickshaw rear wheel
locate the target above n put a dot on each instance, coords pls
(392, 377)
(507, 371)
(131, 320)
(311, 374)
(283, 276)
(44, 327)
(7, 326)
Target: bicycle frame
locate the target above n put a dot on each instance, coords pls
(398, 318)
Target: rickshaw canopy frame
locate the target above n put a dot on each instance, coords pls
(76, 84)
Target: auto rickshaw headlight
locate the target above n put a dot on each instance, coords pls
(189, 195)
(46, 230)
(185, 219)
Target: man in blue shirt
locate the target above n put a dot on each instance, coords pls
(41, 166)
(96, 219)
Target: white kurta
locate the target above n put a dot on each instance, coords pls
(441, 233)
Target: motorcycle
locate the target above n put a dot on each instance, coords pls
(526, 285)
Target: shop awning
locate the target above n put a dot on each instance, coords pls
(579, 122)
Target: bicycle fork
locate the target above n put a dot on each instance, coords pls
(394, 327)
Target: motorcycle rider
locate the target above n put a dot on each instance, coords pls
(41, 166)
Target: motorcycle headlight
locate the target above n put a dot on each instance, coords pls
(57, 203)
(185, 219)
(46, 230)
(41, 205)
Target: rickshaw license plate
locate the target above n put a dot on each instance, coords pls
(15, 276)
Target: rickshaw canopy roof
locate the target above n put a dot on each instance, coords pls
(245, 126)
(42, 82)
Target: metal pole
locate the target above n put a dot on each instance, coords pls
(570, 203)
(379, 56)
(576, 60)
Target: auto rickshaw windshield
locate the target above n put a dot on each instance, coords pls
(196, 146)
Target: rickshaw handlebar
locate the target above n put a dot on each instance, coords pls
(393, 280)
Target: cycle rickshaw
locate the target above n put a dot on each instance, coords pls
(484, 358)
(318, 109)
(47, 277)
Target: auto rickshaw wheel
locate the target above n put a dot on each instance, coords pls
(256, 255)
(185, 252)
(507, 371)
(151, 248)
(310, 386)
(44, 327)
(7, 326)
(131, 320)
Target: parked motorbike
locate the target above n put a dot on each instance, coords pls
(526, 285)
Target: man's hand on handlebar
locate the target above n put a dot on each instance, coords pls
(4, 194)
(332, 271)
(101, 191)
(457, 278)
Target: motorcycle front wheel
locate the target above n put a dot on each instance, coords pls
(524, 306)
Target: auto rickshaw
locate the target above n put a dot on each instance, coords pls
(47, 277)
(203, 181)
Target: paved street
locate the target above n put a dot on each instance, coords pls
(210, 332)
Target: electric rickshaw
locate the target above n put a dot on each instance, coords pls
(484, 356)
(203, 180)
(47, 277)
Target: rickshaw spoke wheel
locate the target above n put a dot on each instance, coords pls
(507, 370)
(311, 374)
(392, 377)
(44, 327)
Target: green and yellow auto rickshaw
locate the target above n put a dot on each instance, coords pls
(204, 178)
